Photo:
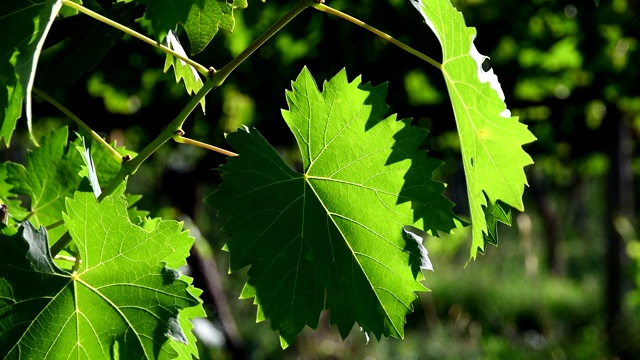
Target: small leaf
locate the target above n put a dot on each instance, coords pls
(89, 168)
(205, 18)
(491, 139)
(25, 25)
(123, 297)
(182, 70)
(332, 237)
(201, 18)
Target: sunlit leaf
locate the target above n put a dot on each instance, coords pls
(124, 301)
(200, 18)
(50, 175)
(183, 71)
(490, 138)
(332, 237)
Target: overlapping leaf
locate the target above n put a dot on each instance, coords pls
(125, 300)
(50, 175)
(490, 138)
(27, 22)
(201, 18)
(332, 237)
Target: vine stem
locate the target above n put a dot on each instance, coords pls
(201, 69)
(215, 79)
(385, 36)
(185, 140)
(80, 123)
(222, 74)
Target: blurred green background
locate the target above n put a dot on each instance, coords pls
(564, 281)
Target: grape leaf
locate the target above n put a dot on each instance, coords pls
(182, 70)
(51, 174)
(200, 18)
(204, 19)
(24, 25)
(123, 301)
(490, 138)
(332, 237)
(9, 198)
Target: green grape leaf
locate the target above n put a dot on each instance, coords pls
(200, 18)
(332, 237)
(204, 20)
(25, 25)
(50, 175)
(89, 41)
(182, 70)
(491, 139)
(9, 198)
(124, 301)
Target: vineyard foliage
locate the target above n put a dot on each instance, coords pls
(85, 273)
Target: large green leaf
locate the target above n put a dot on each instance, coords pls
(23, 25)
(332, 237)
(490, 138)
(124, 301)
(200, 18)
(50, 175)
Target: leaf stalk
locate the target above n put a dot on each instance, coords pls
(201, 69)
(185, 140)
(80, 123)
(385, 36)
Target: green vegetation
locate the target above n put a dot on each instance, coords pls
(110, 250)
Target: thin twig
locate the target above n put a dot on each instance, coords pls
(201, 69)
(185, 140)
(385, 36)
(80, 123)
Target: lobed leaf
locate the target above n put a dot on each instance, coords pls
(332, 237)
(50, 175)
(200, 18)
(183, 71)
(491, 139)
(125, 300)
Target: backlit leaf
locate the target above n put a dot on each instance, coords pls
(125, 300)
(490, 138)
(200, 18)
(50, 175)
(332, 237)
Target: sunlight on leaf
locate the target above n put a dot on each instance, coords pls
(490, 138)
(182, 70)
(125, 287)
(332, 237)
